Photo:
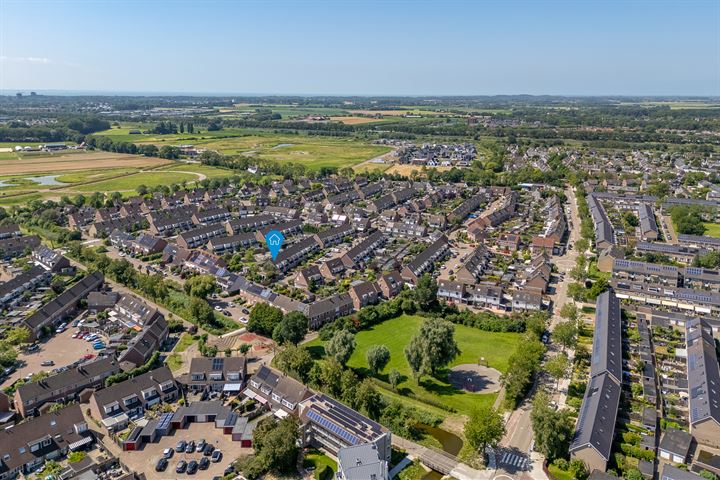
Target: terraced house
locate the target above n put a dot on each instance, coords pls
(425, 260)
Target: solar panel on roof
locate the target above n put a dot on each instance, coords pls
(217, 364)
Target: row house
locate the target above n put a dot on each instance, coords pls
(604, 233)
(62, 306)
(553, 231)
(63, 387)
(120, 239)
(216, 374)
(703, 373)
(10, 230)
(231, 243)
(210, 216)
(474, 266)
(289, 228)
(358, 255)
(334, 235)
(498, 212)
(199, 236)
(343, 198)
(283, 213)
(28, 445)
(648, 225)
(405, 229)
(294, 254)
(117, 404)
(331, 268)
(678, 253)
(245, 224)
(147, 244)
(364, 293)
(507, 243)
(12, 247)
(461, 212)
(309, 276)
(50, 260)
(313, 196)
(126, 224)
(27, 281)
(277, 390)
(425, 260)
(81, 218)
(167, 223)
(142, 346)
(699, 241)
(326, 310)
(369, 190)
(595, 429)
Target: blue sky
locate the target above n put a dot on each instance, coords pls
(373, 47)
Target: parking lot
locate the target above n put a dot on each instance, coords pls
(145, 460)
(62, 349)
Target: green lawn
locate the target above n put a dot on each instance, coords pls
(174, 361)
(131, 182)
(397, 332)
(185, 341)
(713, 230)
(317, 459)
(558, 474)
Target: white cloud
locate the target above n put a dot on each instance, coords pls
(35, 61)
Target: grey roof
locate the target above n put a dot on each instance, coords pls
(73, 379)
(647, 218)
(430, 252)
(133, 386)
(676, 441)
(607, 340)
(670, 472)
(19, 280)
(362, 462)
(596, 422)
(603, 228)
(65, 300)
(703, 373)
(357, 428)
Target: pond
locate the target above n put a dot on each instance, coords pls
(47, 180)
(450, 442)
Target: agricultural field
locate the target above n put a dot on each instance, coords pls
(62, 162)
(396, 333)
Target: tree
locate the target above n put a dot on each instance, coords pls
(142, 189)
(201, 311)
(558, 366)
(708, 475)
(8, 355)
(377, 357)
(341, 346)
(633, 474)
(244, 349)
(263, 319)
(394, 378)
(17, 335)
(292, 328)
(566, 333)
(578, 469)
(275, 445)
(426, 292)
(569, 311)
(200, 286)
(295, 361)
(432, 347)
(484, 428)
(553, 429)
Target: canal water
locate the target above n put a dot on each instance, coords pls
(450, 442)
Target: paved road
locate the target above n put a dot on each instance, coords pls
(513, 455)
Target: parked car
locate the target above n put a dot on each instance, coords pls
(230, 469)
(99, 347)
(88, 356)
(33, 348)
(216, 456)
(208, 450)
(190, 447)
(201, 445)
(161, 465)
(47, 363)
(180, 447)
(245, 311)
(168, 453)
(181, 466)
(204, 463)
(192, 467)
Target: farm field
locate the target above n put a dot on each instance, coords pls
(713, 230)
(132, 181)
(396, 333)
(62, 162)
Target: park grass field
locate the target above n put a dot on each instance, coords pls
(713, 230)
(65, 162)
(396, 333)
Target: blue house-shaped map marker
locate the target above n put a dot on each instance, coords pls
(274, 240)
